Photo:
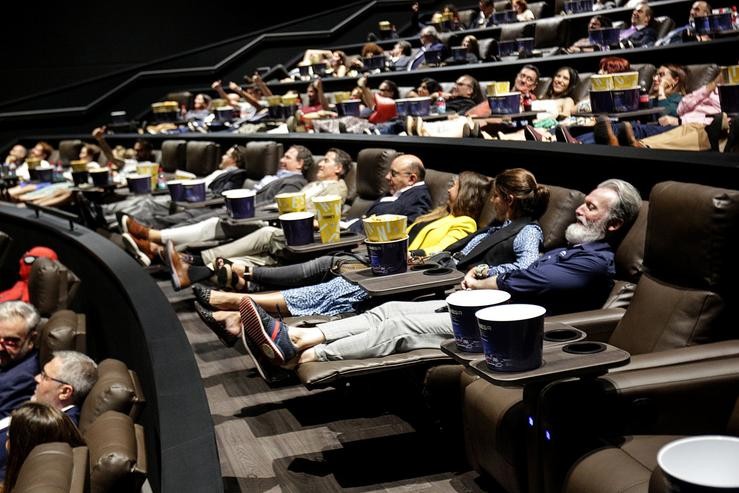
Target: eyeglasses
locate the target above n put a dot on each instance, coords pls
(394, 173)
(11, 342)
(525, 77)
(45, 376)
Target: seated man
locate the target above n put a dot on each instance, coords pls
(18, 357)
(687, 32)
(640, 33)
(63, 383)
(563, 280)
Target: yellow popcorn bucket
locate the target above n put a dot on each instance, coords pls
(602, 82)
(732, 74)
(342, 96)
(328, 209)
(385, 227)
(626, 80)
(290, 202)
(496, 88)
(79, 165)
(149, 169)
(274, 100)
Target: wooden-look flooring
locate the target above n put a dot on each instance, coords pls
(368, 436)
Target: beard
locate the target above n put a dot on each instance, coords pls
(584, 232)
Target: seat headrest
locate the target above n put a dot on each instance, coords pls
(116, 462)
(438, 183)
(560, 213)
(372, 166)
(54, 466)
(64, 331)
(69, 150)
(174, 154)
(549, 31)
(51, 286)
(350, 178)
(630, 251)
(701, 74)
(202, 157)
(117, 389)
(692, 236)
(262, 158)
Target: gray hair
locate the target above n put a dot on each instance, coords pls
(22, 310)
(79, 371)
(628, 203)
(430, 31)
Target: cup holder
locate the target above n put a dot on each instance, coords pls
(584, 347)
(561, 335)
(428, 266)
(437, 271)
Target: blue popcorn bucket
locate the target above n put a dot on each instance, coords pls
(240, 203)
(388, 257)
(505, 104)
(298, 227)
(100, 177)
(138, 184)
(625, 100)
(176, 190)
(512, 336)
(462, 308)
(194, 190)
(601, 102)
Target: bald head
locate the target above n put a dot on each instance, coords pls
(699, 9)
(405, 171)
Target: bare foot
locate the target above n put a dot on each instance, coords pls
(231, 319)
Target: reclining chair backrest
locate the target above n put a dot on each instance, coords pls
(262, 159)
(51, 286)
(700, 75)
(202, 157)
(64, 331)
(646, 73)
(69, 150)
(551, 31)
(663, 25)
(174, 155)
(117, 389)
(372, 166)
(438, 183)
(182, 98)
(117, 454)
(687, 294)
(582, 89)
(350, 178)
(54, 466)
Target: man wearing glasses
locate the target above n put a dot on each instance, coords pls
(409, 195)
(18, 357)
(63, 383)
(525, 83)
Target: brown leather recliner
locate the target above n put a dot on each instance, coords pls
(438, 183)
(5, 242)
(174, 155)
(54, 466)
(262, 158)
(69, 150)
(688, 399)
(117, 453)
(51, 286)
(690, 271)
(117, 389)
(372, 166)
(202, 157)
(64, 331)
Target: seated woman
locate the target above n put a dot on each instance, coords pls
(465, 96)
(200, 108)
(32, 424)
(518, 201)
(427, 87)
(523, 12)
(380, 106)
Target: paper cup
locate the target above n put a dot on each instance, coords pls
(100, 177)
(462, 308)
(701, 464)
(601, 82)
(385, 227)
(328, 209)
(194, 190)
(176, 190)
(240, 203)
(138, 184)
(290, 202)
(625, 80)
(298, 227)
(505, 104)
(388, 257)
(149, 169)
(512, 336)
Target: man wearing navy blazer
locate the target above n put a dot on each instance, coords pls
(409, 194)
(18, 356)
(641, 32)
(429, 42)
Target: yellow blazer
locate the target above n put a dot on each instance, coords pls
(439, 234)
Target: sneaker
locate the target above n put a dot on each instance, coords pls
(269, 335)
(138, 248)
(178, 269)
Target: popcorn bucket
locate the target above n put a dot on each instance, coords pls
(328, 209)
(138, 184)
(462, 308)
(194, 190)
(626, 80)
(79, 165)
(298, 228)
(602, 82)
(149, 169)
(505, 104)
(176, 190)
(100, 177)
(496, 88)
(45, 174)
(240, 203)
(385, 227)
(512, 336)
(732, 74)
(699, 464)
(290, 202)
(388, 257)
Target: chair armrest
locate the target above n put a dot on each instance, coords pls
(597, 324)
(678, 356)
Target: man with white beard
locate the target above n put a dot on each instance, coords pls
(563, 280)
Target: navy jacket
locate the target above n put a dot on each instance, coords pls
(564, 280)
(412, 203)
(287, 184)
(17, 383)
(644, 37)
(420, 58)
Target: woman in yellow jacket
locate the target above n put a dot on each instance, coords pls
(430, 233)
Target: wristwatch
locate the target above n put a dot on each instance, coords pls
(481, 271)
